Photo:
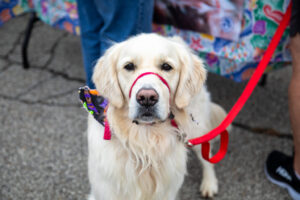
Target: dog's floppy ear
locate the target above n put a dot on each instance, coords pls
(192, 75)
(105, 77)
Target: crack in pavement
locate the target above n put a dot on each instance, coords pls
(52, 49)
(61, 74)
(6, 57)
(34, 86)
(15, 44)
(263, 131)
(5, 67)
(55, 72)
(48, 62)
(52, 72)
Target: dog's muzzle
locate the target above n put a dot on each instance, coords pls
(147, 98)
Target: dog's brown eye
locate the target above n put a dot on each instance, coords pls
(129, 67)
(166, 67)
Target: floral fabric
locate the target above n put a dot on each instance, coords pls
(233, 59)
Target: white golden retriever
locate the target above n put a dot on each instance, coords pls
(146, 156)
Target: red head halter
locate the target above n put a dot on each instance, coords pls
(148, 73)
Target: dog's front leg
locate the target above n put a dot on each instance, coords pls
(209, 185)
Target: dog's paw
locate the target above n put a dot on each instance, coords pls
(209, 187)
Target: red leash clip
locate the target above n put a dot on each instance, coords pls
(221, 129)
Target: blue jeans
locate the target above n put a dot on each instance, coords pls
(104, 22)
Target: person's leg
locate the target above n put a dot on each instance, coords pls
(294, 99)
(123, 19)
(281, 169)
(90, 25)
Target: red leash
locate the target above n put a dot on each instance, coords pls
(221, 129)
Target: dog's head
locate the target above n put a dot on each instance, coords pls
(176, 76)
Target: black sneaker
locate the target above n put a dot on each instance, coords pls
(279, 170)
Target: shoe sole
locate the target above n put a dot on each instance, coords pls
(295, 195)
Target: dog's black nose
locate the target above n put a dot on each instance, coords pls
(147, 97)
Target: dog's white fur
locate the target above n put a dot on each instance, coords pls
(144, 161)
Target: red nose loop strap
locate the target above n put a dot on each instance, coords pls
(148, 73)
